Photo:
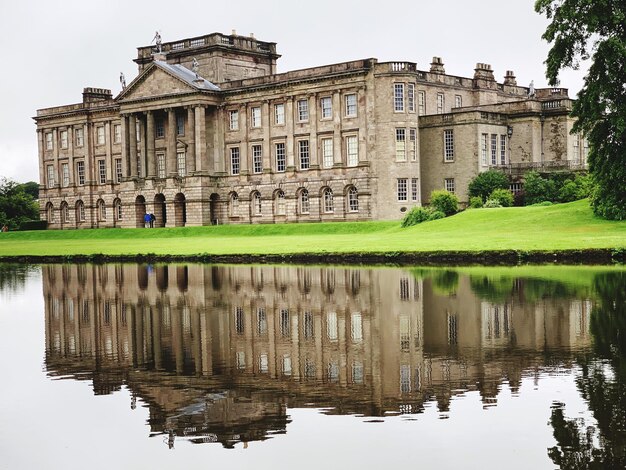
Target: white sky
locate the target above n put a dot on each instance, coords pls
(53, 49)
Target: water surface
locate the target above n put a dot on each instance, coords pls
(140, 366)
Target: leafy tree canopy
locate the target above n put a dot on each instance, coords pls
(596, 30)
(16, 205)
(486, 182)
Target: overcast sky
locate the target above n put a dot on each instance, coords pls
(53, 49)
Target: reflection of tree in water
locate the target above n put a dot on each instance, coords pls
(13, 276)
(602, 384)
(500, 289)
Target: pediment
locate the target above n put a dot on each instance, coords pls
(155, 82)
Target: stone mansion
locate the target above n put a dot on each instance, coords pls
(209, 133)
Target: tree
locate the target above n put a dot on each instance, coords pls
(538, 189)
(445, 202)
(596, 30)
(486, 182)
(16, 206)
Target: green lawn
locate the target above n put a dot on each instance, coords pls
(559, 227)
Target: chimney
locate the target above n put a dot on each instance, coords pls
(233, 32)
(509, 78)
(483, 72)
(92, 95)
(436, 66)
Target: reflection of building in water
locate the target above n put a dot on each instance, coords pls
(219, 353)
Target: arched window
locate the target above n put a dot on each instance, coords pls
(65, 212)
(279, 203)
(117, 209)
(50, 213)
(234, 204)
(102, 210)
(256, 202)
(80, 211)
(329, 205)
(353, 199)
(303, 198)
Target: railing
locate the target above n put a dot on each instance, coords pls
(402, 67)
(551, 166)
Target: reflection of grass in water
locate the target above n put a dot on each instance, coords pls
(497, 284)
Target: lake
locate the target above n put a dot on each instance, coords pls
(232, 366)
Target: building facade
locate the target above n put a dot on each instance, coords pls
(209, 133)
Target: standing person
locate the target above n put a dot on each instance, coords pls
(5, 228)
(152, 219)
(146, 220)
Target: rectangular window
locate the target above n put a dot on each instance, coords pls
(400, 145)
(402, 190)
(503, 149)
(413, 143)
(414, 188)
(440, 103)
(494, 149)
(448, 142)
(410, 97)
(65, 171)
(159, 128)
(484, 143)
(100, 139)
(421, 103)
(352, 150)
(102, 172)
(81, 212)
(234, 161)
(449, 185)
(117, 133)
(49, 141)
(80, 139)
(398, 97)
(181, 163)
(458, 101)
(281, 160)
(233, 120)
(326, 105)
(351, 109)
(257, 159)
(303, 153)
(303, 110)
(51, 176)
(255, 117)
(327, 152)
(63, 135)
(180, 124)
(279, 114)
(118, 170)
(80, 171)
(160, 165)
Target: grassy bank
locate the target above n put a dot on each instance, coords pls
(560, 227)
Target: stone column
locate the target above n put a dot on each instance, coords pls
(142, 148)
(337, 144)
(290, 117)
(191, 141)
(42, 171)
(125, 145)
(150, 157)
(200, 138)
(170, 143)
(266, 150)
(218, 154)
(243, 150)
(132, 137)
(313, 160)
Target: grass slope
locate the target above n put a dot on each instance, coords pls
(559, 227)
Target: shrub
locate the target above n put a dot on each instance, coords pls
(445, 202)
(503, 196)
(568, 192)
(485, 183)
(492, 203)
(476, 202)
(34, 225)
(585, 185)
(538, 189)
(417, 215)
(434, 215)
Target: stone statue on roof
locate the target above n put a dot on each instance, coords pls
(122, 80)
(531, 89)
(157, 41)
(194, 67)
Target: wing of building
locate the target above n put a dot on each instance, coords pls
(209, 133)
